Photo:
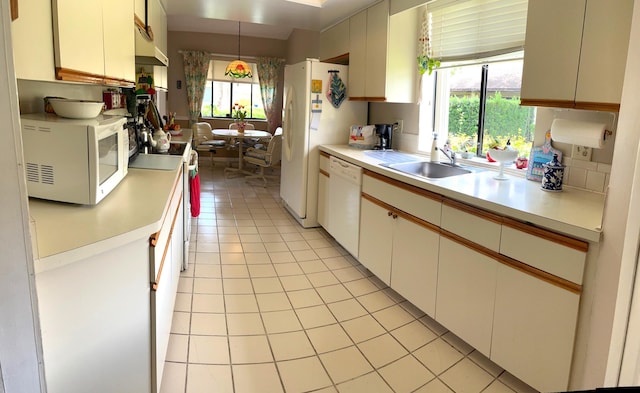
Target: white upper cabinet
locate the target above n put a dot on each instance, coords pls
(119, 42)
(93, 41)
(78, 35)
(334, 42)
(32, 35)
(151, 52)
(382, 55)
(575, 53)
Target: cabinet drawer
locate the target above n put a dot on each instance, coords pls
(473, 224)
(556, 254)
(412, 200)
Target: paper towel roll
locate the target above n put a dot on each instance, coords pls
(581, 133)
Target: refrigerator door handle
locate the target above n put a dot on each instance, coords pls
(287, 124)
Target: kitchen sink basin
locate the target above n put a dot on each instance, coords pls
(429, 170)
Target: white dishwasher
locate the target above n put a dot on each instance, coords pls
(345, 182)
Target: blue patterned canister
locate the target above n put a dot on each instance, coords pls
(552, 175)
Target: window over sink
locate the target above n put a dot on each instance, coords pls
(472, 99)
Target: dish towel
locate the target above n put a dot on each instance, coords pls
(337, 90)
(194, 185)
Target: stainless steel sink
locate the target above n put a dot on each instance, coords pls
(430, 170)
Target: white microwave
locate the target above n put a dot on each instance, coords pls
(75, 161)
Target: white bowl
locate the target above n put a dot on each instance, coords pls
(76, 109)
(503, 156)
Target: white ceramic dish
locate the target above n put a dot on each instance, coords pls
(503, 155)
(76, 109)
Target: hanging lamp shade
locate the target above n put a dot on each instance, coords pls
(238, 69)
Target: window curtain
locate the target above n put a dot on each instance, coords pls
(269, 69)
(196, 67)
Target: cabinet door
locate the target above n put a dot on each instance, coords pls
(376, 231)
(323, 198)
(357, 54)
(534, 329)
(78, 35)
(605, 41)
(119, 40)
(159, 25)
(32, 35)
(376, 50)
(466, 293)
(334, 42)
(414, 264)
(552, 54)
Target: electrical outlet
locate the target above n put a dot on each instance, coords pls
(399, 126)
(582, 153)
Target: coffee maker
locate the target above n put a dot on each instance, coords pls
(383, 135)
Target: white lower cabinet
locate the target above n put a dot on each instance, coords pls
(466, 293)
(166, 260)
(534, 329)
(400, 250)
(481, 275)
(414, 266)
(376, 234)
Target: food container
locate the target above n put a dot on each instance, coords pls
(552, 175)
(76, 109)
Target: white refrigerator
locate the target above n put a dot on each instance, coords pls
(310, 119)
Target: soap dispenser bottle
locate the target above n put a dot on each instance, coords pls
(435, 154)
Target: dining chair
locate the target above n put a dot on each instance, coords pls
(203, 141)
(264, 158)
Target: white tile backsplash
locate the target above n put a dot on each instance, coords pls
(588, 175)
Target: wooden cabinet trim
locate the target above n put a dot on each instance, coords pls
(325, 154)
(598, 106)
(156, 283)
(323, 172)
(473, 210)
(400, 213)
(536, 273)
(403, 186)
(593, 106)
(68, 75)
(14, 10)
(368, 99)
(340, 59)
(547, 235)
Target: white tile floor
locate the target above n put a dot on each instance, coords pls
(268, 306)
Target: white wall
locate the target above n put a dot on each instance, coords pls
(20, 350)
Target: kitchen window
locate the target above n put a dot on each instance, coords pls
(477, 106)
(473, 98)
(220, 94)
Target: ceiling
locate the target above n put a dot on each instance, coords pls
(259, 18)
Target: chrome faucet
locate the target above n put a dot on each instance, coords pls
(449, 154)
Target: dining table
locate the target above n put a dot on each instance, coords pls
(230, 134)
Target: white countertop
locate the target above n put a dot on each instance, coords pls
(65, 232)
(573, 212)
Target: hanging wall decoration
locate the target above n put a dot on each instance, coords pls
(337, 89)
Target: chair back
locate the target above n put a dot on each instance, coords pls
(274, 149)
(247, 126)
(201, 132)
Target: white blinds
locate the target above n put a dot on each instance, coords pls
(217, 68)
(472, 29)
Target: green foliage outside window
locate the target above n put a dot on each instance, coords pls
(505, 120)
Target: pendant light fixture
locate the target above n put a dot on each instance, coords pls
(238, 69)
